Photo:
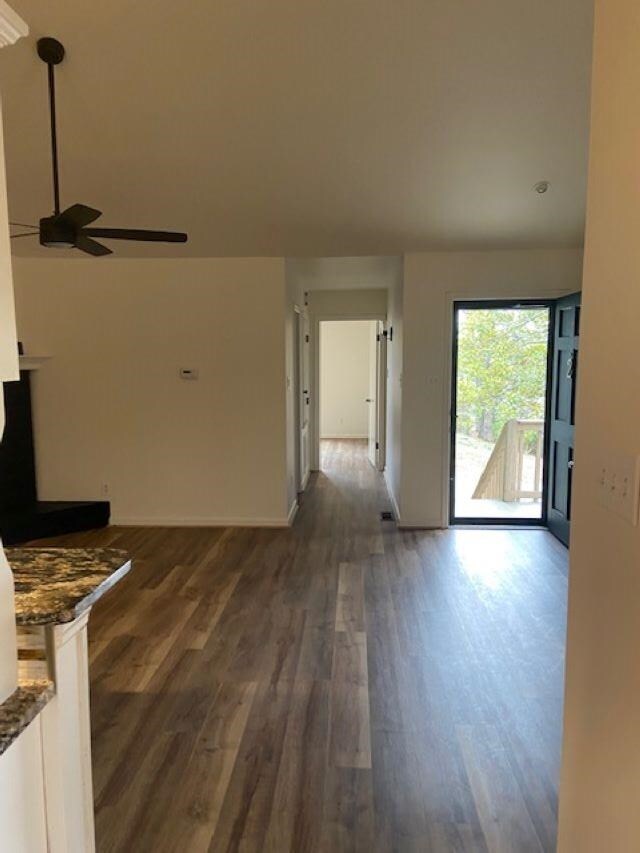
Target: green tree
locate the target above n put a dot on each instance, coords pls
(502, 364)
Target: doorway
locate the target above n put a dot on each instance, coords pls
(352, 386)
(500, 412)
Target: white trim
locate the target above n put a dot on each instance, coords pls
(382, 381)
(163, 521)
(292, 513)
(12, 27)
(421, 525)
(66, 740)
(314, 372)
(369, 315)
(392, 497)
(305, 482)
(346, 435)
(296, 397)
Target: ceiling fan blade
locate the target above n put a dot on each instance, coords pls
(137, 234)
(80, 215)
(91, 247)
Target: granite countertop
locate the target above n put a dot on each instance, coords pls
(56, 585)
(23, 706)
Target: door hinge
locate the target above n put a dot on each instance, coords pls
(377, 445)
(306, 339)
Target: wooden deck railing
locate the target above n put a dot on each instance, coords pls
(503, 476)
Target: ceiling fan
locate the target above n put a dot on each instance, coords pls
(68, 229)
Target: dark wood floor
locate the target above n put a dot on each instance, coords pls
(338, 686)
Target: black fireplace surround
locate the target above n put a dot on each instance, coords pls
(22, 516)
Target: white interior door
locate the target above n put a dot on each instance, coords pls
(373, 393)
(381, 395)
(304, 398)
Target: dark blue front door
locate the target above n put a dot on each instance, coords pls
(562, 424)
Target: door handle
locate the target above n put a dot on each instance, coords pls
(570, 463)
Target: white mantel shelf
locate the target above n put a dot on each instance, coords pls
(32, 362)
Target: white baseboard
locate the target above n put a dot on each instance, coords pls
(421, 525)
(305, 482)
(292, 513)
(135, 521)
(392, 498)
(343, 435)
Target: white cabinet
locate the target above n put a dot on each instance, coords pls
(22, 802)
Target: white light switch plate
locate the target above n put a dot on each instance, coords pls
(619, 485)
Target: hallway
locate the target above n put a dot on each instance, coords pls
(340, 685)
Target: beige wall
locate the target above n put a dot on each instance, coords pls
(600, 781)
(8, 371)
(373, 272)
(347, 304)
(344, 378)
(8, 346)
(431, 282)
(291, 424)
(110, 408)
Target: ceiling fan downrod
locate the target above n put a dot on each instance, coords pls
(52, 52)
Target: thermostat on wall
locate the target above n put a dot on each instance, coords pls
(188, 373)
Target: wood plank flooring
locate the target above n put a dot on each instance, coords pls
(338, 686)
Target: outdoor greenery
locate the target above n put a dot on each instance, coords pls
(502, 363)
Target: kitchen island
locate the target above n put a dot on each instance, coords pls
(55, 589)
(57, 585)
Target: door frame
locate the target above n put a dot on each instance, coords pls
(314, 325)
(373, 345)
(301, 327)
(471, 304)
(297, 394)
(382, 376)
(377, 419)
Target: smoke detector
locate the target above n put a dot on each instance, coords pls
(541, 187)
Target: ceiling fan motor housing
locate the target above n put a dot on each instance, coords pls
(55, 233)
(50, 50)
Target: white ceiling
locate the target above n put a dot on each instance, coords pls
(308, 127)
